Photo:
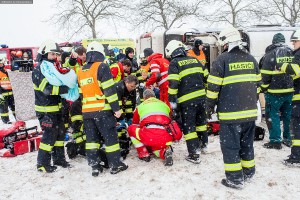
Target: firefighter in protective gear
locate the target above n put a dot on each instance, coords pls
(187, 77)
(279, 89)
(235, 76)
(197, 51)
(126, 90)
(153, 128)
(293, 68)
(99, 105)
(6, 94)
(48, 110)
(159, 73)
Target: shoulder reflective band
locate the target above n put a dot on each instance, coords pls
(215, 80)
(112, 98)
(43, 84)
(296, 69)
(107, 84)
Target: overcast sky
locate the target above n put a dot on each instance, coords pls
(25, 25)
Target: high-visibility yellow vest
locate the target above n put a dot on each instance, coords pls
(153, 106)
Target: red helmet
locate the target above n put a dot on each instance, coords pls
(19, 54)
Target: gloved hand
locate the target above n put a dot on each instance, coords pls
(209, 112)
(46, 122)
(2, 100)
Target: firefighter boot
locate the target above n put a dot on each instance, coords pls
(46, 168)
(62, 163)
(168, 157)
(96, 170)
(230, 184)
(292, 160)
(194, 158)
(272, 145)
(120, 167)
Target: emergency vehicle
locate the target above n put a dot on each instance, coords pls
(15, 57)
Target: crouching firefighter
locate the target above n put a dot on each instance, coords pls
(77, 145)
(153, 129)
(126, 90)
(99, 105)
(6, 94)
(48, 110)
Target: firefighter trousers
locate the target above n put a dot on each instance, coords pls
(295, 126)
(103, 125)
(8, 102)
(236, 141)
(52, 140)
(193, 123)
(276, 104)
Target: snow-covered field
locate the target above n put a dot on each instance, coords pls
(19, 178)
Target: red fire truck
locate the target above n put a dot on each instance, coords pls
(18, 56)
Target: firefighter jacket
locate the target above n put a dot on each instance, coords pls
(233, 85)
(197, 54)
(127, 100)
(5, 86)
(152, 112)
(47, 96)
(159, 70)
(117, 71)
(105, 84)
(187, 77)
(274, 81)
(293, 69)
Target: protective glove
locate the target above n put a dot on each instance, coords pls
(46, 122)
(2, 100)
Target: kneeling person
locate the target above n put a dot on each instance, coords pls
(153, 127)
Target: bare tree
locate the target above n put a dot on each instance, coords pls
(75, 16)
(163, 13)
(234, 12)
(287, 10)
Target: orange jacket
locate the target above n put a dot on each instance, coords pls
(4, 81)
(93, 98)
(200, 57)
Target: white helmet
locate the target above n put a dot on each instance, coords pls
(49, 46)
(229, 35)
(296, 35)
(172, 46)
(95, 46)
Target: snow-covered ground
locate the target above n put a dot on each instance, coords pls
(19, 178)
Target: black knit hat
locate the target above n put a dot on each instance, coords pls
(278, 38)
(197, 43)
(148, 52)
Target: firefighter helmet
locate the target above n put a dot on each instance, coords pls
(296, 35)
(172, 46)
(197, 43)
(229, 35)
(49, 46)
(95, 46)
